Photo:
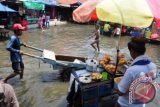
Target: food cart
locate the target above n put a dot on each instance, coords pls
(95, 88)
(87, 88)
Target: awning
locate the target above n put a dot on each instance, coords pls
(48, 2)
(5, 9)
(33, 5)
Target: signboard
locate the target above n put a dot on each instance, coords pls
(34, 5)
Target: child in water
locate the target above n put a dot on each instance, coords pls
(96, 38)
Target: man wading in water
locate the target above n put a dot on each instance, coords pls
(15, 53)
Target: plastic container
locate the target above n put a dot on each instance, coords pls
(104, 76)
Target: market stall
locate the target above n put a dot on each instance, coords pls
(33, 10)
(5, 15)
(89, 87)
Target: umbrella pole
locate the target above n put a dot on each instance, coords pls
(117, 47)
(118, 43)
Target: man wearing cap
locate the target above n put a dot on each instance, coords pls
(15, 53)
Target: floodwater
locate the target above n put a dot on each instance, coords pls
(69, 39)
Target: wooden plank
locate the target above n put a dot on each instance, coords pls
(69, 58)
(49, 55)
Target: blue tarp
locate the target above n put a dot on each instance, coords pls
(48, 2)
(5, 9)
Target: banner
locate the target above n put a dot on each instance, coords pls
(33, 5)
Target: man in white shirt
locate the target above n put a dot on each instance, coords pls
(140, 65)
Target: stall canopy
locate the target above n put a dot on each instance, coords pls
(48, 2)
(5, 9)
(120, 11)
(33, 5)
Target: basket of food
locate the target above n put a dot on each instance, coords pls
(109, 65)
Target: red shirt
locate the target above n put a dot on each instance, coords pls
(157, 23)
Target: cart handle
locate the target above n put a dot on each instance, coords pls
(34, 56)
(38, 49)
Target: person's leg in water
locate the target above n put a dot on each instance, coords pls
(22, 70)
(41, 26)
(92, 44)
(16, 68)
(47, 24)
(98, 46)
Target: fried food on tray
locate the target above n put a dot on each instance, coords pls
(122, 61)
(121, 58)
(121, 55)
(117, 80)
(105, 60)
(110, 68)
(96, 76)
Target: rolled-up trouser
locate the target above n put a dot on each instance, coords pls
(18, 67)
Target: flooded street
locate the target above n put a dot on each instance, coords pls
(69, 39)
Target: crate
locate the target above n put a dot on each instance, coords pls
(94, 91)
(91, 103)
(105, 89)
(90, 93)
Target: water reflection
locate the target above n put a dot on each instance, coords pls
(70, 39)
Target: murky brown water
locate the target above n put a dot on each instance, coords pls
(70, 39)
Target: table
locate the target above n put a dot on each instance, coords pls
(90, 94)
(4, 33)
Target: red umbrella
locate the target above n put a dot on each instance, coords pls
(84, 12)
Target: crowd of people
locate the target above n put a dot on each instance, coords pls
(111, 29)
(44, 21)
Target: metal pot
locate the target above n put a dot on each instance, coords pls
(91, 65)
